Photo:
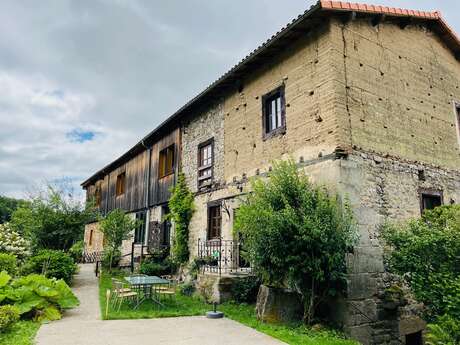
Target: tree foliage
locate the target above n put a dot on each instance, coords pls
(297, 234)
(426, 252)
(116, 227)
(53, 219)
(182, 208)
(8, 206)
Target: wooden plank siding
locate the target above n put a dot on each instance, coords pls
(159, 187)
(137, 183)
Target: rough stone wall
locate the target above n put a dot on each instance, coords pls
(307, 72)
(202, 127)
(396, 90)
(383, 188)
(97, 241)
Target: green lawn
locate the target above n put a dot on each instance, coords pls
(243, 313)
(22, 333)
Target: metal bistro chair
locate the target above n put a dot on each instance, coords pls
(120, 294)
(169, 290)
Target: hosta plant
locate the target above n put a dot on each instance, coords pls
(37, 296)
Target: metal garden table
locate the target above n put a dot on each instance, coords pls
(145, 284)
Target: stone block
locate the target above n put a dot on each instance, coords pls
(278, 305)
(365, 260)
(411, 325)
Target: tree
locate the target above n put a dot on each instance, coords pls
(8, 206)
(426, 251)
(181, 206)
(296, 234)
(52, 219)
(116, 227)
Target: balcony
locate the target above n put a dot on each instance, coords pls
(222, 257)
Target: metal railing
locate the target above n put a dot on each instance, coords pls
(92, 257)
(221, 257)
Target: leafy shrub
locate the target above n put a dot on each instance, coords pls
(157, 265)
(446, 331)
(76, 251)
(8, 263)
(297, 234)
(111, 258)
(12, 242)
(51, 263)
(244, 290)
(9, 315)
(425, 251)
(187, 289)
(37, 296)
(181, 206)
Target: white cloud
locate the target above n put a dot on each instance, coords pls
(117, 68)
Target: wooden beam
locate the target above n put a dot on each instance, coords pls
(377, 19)
(405, 22)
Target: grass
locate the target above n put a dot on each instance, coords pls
(21, 333)
(296, 334)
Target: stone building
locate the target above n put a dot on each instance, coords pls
(365, 98)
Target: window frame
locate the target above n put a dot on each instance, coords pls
(429, 192)
(209, 142)
(265, 99)
(164, 153)
(142, 216)
(214, 205)
(457, 119)
(120, 186)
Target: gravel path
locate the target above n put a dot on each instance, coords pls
(83, 326)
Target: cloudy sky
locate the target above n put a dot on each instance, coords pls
(82, 81)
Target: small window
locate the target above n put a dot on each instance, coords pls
(205, 163)
(414, 338)
(90, 242)
(457, 117)
(430, 199)
(120, 187)
(166, 164)
(139, 232)
(214, 222)
(274, 111)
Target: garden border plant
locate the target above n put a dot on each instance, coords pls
(297, 234)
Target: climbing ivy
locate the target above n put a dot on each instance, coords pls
(181, 207)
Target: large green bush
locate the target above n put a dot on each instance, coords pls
(297, 234)
(245, 289)
(426, 252)
(181, 206)
(446, 331)
(36, 296)
(8, 263)
(76, 251)
(116, 227)
(53, 219)
(158, 264)
(51, 263)
(9, 315)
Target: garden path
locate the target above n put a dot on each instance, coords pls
(83, 325)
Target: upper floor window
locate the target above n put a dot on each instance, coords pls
(205, 163)
(274, 112)
(166, 162)
(429, 199)
(121, 181)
